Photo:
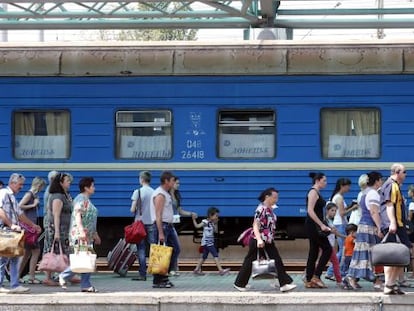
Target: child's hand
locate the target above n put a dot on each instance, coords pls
(194, 216)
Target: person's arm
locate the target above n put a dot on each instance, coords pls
(26, 198)
(341, 205)
(198, 226)
(57, 210)
(159, 202)
(5, 219)
(26, 220)
(78, 220)
(134, 203)
(182, 212)
(375, 214)
(391, 216)
(256, 231)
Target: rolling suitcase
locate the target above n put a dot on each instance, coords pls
(125, 260)
(114, 254)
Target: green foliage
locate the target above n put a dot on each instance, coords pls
(164, 34)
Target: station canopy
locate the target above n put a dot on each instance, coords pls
(290, 14)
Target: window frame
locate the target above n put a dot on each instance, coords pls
(221, 124)
(348, 109)
(30, 110)
(168, 123)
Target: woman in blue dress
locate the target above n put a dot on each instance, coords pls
(368, 234)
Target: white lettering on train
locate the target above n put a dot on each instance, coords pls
(250, 150)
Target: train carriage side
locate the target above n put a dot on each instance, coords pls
(226, 137)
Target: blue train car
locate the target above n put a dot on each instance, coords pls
(226, 136)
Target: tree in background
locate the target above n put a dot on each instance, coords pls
(153, 34)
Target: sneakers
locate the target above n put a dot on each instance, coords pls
(62, 282)
(198, 272)
(241, 289)
(19, 290)
(287, 287)
(4, 290)
(224, 271)
(174, 273)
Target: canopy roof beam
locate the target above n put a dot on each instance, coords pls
(112, 14)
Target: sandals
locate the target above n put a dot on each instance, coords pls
(33, 281)
(49, 282)
(89, 290)
(393, 290)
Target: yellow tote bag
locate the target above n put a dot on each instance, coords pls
(159, 259)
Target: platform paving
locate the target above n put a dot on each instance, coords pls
(202, 293)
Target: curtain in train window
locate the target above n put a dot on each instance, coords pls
(143, 135)
(350, 133)
(247, 134)
(41, 134)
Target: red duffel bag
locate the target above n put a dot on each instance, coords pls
(135, 232)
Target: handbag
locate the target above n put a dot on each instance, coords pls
(159, 259)
(82, 262)
(52, 262)
(245, 237)
(135, 232)
(30, 234)
(390, 253)
(263, 268)
(11, 243)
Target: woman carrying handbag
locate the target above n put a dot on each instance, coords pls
(82, 230)
(264, 227)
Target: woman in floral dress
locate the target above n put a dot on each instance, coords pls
(83, 230)
(264, 227)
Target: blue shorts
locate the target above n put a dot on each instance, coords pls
(209, 249)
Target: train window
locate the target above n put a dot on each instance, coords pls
(145, 134)
(246, 134)
(350, 133)
(41, 134)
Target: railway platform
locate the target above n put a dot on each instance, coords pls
(202, 293)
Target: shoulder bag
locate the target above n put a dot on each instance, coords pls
(263, 268)
(393, 254)
(135, 232)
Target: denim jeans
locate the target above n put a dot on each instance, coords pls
(142, 248)
(85, 282)
(171, 239)
(14, 265)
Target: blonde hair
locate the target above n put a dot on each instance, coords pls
(38, 183)
(363, 180)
